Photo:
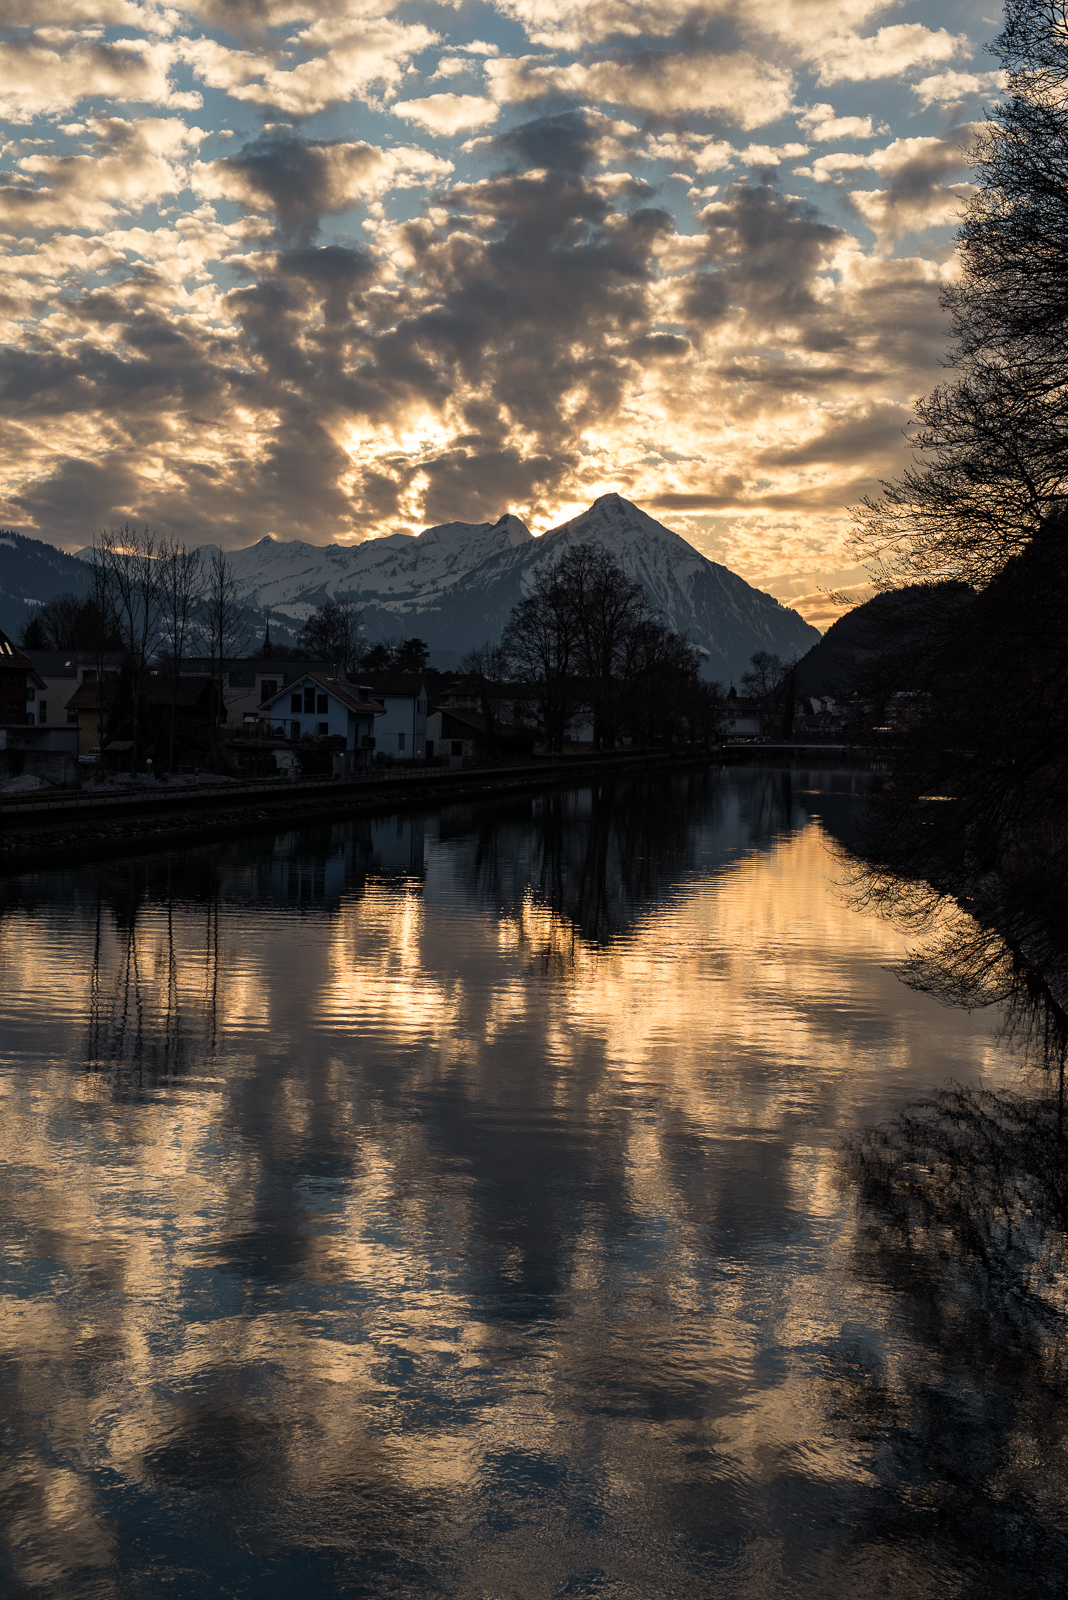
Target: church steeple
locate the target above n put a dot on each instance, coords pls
(265, 647)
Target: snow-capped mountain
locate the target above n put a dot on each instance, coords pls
(454, 585)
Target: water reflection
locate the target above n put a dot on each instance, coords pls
(453, 1205)
(964, 1198)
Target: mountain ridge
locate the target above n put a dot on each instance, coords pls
(455, 583)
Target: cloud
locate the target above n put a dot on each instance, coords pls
(824, 607)
(737, 87)
(950, 88)
(302, 180)
(36, 80)
(768, 155)
(885, 54)
(917, 196)
(765, 250)
(450, 67)
(822, 125)
(448, 113)
(372, 55)
(70, 14)
(193, 339)
(127, 166)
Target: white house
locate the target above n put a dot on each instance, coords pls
(316, 706)
(401, 732)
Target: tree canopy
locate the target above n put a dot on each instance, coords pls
(992, 445)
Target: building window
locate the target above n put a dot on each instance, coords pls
(31, 696)
(42, 711)
(294, 730)
(400, 741)
(268, 688)
(309, 700)
(321, 707)
(72, 717)
(457, 747)
(324, 727)
(296, 702)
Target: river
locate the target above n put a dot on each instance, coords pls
(454, 1204)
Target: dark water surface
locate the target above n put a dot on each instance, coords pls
(453, 1205)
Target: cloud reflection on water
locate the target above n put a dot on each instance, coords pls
(452, 1204)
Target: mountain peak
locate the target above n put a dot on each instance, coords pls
(614, 517)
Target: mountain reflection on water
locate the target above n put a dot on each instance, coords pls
(456, 1205)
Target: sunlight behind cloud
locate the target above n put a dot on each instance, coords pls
(599, 246)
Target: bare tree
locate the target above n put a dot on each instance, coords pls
(608, 606)
(540, 645)
(181, 578)
(992, 444)
(223, 625)
(131, 574)
(486, 665)
(101, 597)
(770, 683)
(333, 633)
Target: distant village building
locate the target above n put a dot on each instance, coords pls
(187, 701)
(457, 735)
(18, 685)
(317, 706)
(62, 672)
(25, 744)
(742, 720)
(401, 731)
(247, 682)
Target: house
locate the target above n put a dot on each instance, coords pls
(86, 710)
(401, 731)
(742, 719)
(189, 701)
(25, 747)
(459, 735)
(62, 672)
(817, 715)
(317, 706)
(247, 682)
(18, 685)
(514, 707)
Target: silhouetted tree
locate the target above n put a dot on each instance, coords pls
(540, 646)
(485, 666)
(130, 576)
(607, 607)
(181, 578)
(993, 444)
(222, 623)
(332, 633)
(69, 622)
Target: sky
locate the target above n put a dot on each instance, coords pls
(329, 271)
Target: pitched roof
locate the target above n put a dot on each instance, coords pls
(87, 695)
(12, 656)
(65, 663)
(347, 693)
(471, 720)
(398, 683)
(183, 691)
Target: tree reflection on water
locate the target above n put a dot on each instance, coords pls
(964, 1205)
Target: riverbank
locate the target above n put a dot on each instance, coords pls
(83, 828)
